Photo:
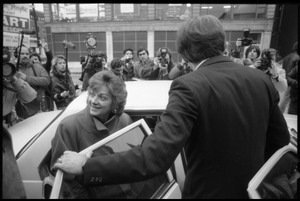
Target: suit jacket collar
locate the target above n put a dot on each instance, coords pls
(213, 60)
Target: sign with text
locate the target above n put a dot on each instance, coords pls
(16, 17)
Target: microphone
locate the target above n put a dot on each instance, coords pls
(27, 31)
(69, 44)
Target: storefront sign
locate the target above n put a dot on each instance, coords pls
(15, 19)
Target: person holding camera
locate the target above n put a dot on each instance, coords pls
(128, 72)
(145, 68)
(180, 69)
(36, 76)
(163, 61)
(96, 62)
(14, 88)
(267, 63)
(117, 67)
(62, 86)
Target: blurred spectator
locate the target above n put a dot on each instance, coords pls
(12, 184)
(145, 68)
(103, 115)
(13, 89)
(36, 76)
(164, 62)
(289, 62)
(46, 55)
(62, 86)
(96, 62)
(269, 65)
(117, 67)
(180, 69)
(292, 78)
(128, 72)
(229, 53)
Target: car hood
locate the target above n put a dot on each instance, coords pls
(21, 134)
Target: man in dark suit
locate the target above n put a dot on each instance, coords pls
(226, 117)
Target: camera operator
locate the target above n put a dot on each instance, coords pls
(164, 62)
(180, 69)
(267, 63)
(96, 62)
(14, 88)
(128, 72)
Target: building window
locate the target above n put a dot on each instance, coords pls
(91, 12)
(128, 39)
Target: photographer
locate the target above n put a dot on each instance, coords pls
(164, 62)
(96, 62)
(128, 72)
(180, 69)
(252, 56)
(267, 63)
(14, 88)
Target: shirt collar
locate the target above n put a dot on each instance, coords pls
(200, 63)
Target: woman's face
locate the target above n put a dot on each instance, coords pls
(61, 65)
(253, 54)
(100, 101)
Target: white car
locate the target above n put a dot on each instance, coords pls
(32, 139)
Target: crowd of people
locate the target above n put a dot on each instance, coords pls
(208, 81)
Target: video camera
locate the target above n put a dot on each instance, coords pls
(266, 61)
(9, 69)
(162, 58)
(95, 62)
(247, 39)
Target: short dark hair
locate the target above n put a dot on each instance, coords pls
(142, 49)
(200, 38)
(35, 54)
(249, 49)
(128, 49)
(116, 63)
(116, 86)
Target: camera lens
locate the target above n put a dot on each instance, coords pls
(8, 69)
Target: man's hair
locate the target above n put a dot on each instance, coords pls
(128, 49)
(249, 49)
(169, 52)
(116, 63)
(142, 49)
(200, 38)
(35, 54)
(116, 86)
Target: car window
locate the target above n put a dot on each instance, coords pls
(122, 141)
(281, 181)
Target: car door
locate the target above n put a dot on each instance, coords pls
(278, 177)
(164, 186)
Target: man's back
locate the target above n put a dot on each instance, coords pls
(235, 107)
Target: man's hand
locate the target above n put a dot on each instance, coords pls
(21, 75)
(72, 162)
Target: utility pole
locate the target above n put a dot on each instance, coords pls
(36, 27)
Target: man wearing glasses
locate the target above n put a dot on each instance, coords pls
(145, 68)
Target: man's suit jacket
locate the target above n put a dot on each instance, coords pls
(226, 116)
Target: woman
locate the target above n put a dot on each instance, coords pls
(62, 86)
(251, 57)
(102, 116)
